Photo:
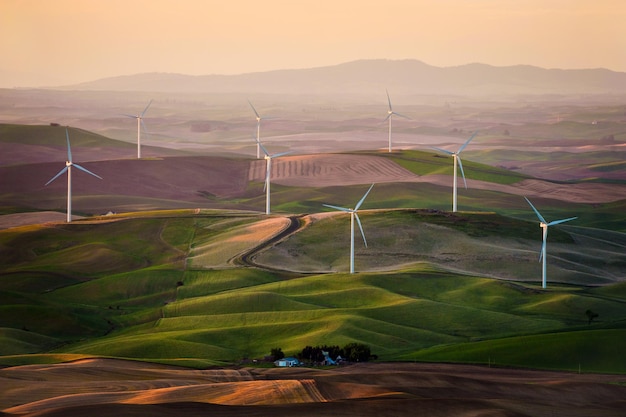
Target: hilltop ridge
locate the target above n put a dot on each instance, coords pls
(363, 77)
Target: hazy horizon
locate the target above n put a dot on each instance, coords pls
(73, 41)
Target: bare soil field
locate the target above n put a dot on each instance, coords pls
(102, 387)
(345, 169)
(331, 170)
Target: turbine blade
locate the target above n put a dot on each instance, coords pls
(132, 116)
(466, 143)
(543, 247)
(358, 221)
(402, 115)
(276, 155)
(442, 150)
(146, 109)
(536, 211)
(254, 110)
(144, 126)
(461, 166)
(347, 210)
(561, 221)
(261, 146)
(69, 149)
(263, 149)
(61, 172)
(389, 101)
(86, 170)
(363, 199)
(387, 118)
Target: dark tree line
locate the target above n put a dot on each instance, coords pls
(352, 352)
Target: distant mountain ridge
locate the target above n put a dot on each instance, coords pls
(363, 77)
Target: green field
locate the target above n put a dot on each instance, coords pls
(152, 286)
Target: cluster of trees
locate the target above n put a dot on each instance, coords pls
(352, 352)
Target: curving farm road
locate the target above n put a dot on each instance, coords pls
(246, 258)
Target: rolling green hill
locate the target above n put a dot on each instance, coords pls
(428, 163)
(128, 286)
(174, 286)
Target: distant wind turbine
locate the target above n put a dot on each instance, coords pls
(353, 216)
(268, 173)
(390, 114)
(258, 130)
(140, 123)
(68, 167)
(457, 160)
(544, 225)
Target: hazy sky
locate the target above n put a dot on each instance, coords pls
(50, 42)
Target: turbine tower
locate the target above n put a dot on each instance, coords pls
(390, 114)
(68, 167)
(544, 226)
(353, 215)
(457, 161)
(258, 130)
(268, 173)
(140, 123)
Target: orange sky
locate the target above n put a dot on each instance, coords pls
(44, 42)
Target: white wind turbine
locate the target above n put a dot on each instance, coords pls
(258, 130)
(353, 216)
(140, 123)
(544, 225)
(68, 167)
(390, 114)
(457, 161)
(268, 173)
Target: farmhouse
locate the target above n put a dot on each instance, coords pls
(287, 362)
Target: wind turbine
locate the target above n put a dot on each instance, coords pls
(353, 216)
(544, 225)
(457, 160)
(258, 130)
(68, 167)
(390, 114)
(268, 173)
(140, 122)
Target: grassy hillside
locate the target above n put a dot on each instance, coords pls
(434, 162)
(46, 135)
(583, 350)
(159, 286)
(486, 244)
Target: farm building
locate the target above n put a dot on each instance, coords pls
(287, 362)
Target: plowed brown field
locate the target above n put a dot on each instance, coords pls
(331, 169)
(101, 387)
